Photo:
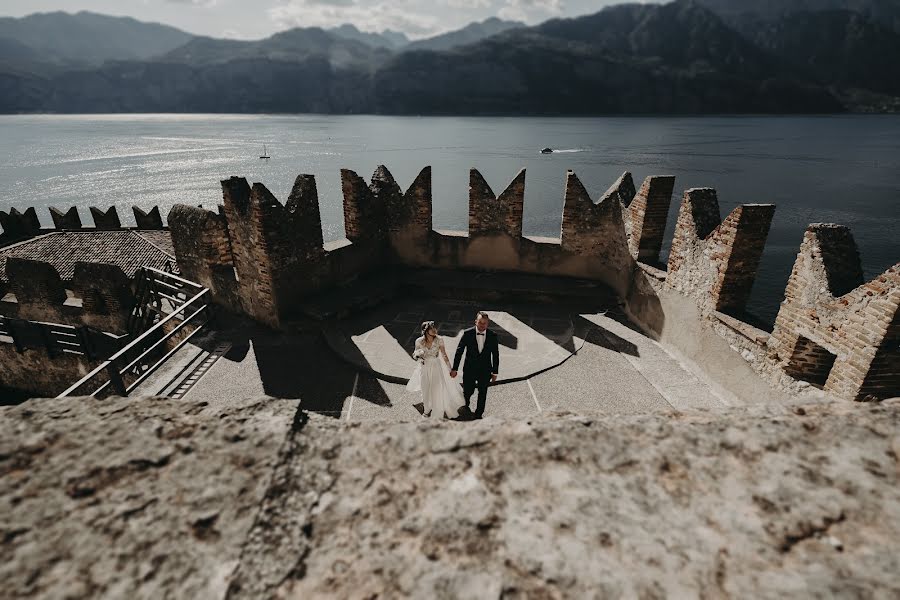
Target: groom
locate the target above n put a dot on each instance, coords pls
(482, 360)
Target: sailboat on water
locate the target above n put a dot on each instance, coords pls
(265, 154)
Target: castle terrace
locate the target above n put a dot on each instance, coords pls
(267, 261)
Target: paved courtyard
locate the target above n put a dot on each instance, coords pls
(532, 338)
(552, 359)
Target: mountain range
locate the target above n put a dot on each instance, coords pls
(688, 56)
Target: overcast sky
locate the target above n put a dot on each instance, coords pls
(252, 19)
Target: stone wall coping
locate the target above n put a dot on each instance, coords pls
(652, 271)
(538, 239)
(452, 233)
(333, 245)
(754, 334)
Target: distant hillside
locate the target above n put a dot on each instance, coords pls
(294, 45)
(245, 85)
(677, 58)
(682, 35)
(635, 58)
(88, 38)
(840, 48)
(392, 40)
(474, 32)
(744, 12)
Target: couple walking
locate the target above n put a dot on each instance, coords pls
(436, 378)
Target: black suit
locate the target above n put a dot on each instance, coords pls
(479, 366)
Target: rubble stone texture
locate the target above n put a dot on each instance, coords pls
(157, 498)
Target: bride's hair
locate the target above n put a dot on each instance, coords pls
(426, 325)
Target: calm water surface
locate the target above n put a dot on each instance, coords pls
(841, 169)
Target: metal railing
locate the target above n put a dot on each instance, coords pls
(182, 308)
(57, 339)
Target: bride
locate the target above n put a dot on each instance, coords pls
(441, 395)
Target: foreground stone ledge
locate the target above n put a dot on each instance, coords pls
(131, 497)
(162, 498)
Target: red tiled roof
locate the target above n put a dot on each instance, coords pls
(128, 249)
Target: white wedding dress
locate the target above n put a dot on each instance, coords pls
(441, 394)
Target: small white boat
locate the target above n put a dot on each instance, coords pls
(265, 153)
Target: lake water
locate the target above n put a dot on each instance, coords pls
(841, 169)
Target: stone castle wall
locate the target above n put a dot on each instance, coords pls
(99, 295)
(265, 259)
(277, 257)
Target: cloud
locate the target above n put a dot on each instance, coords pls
(531, 11)
(469, 4)
(200, 3)
(365, 15)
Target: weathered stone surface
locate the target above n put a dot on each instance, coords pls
(769, 502)
(33, 372)
(131, 498)
(203, 249)
(160, 498)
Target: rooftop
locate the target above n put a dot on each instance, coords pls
(129, 249)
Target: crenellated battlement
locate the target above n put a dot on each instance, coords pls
(489, 213)
(266, 259)
(833, 329)
(99, 295)
(16, 226)
(716, 262)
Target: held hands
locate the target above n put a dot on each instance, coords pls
(453, 374)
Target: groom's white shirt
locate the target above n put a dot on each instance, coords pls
(479, 339)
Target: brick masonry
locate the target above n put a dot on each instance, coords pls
(491, 214)
(365, 211)
(248, 213)
(648, 214)
(202, 246)
(716, 262)
(597, 229)
(828, 306)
